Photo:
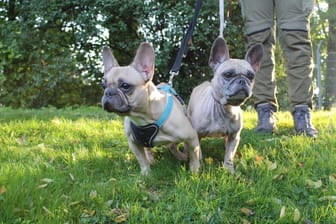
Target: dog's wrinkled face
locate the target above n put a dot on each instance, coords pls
(125, 86)
(233, 78)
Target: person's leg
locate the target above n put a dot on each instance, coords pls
(293, 21)
(258, 18)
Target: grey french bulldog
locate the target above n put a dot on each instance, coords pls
(153, 115)
(214, 107)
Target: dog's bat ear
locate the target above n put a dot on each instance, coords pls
(144, 61)
(219, 53)
(108, 59)
(254, 56)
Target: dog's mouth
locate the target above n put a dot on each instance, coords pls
(238, 98)
(115, 102)
(120, 109)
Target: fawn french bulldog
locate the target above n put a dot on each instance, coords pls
(152, 114)
(214, 107)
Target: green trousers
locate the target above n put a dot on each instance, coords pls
(291, 19)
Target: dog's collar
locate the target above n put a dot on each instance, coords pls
(146, 134)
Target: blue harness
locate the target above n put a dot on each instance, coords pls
(144, 135)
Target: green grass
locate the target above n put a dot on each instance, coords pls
(74, 166)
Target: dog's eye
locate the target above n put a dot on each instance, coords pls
(125, 86)
(228, 75)
(250, 75)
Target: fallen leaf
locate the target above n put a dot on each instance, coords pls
(247, 211)
(259, 159)
(277, 201)
(271, 139)
(332, 178)
(89, 213)
(112, 179)
(47, 180)
(75, 203)
(93, 194)
(270, 165)
(252, 201)
(47, 211)
(329, 198)
(43, 186)
(71, 177)
(120, 215)
(109, 203)
(120, 218)
(41, 146)
(301, 164)
(297, 215)
(244, 221)
(73, 156)
(314, 184)
(22, 140)
(2, 189)
(279, 176)
(282, 212)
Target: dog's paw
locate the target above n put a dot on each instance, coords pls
(230, 167)
(195, 166)
(145, 171)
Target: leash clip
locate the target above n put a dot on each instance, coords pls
(171, 77)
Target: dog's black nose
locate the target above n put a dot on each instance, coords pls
(242, 82)
(109, 92)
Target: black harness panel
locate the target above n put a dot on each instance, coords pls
(144, 135)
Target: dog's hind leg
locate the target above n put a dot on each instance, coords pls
(179, 155)
(149, 155)
(195, 154)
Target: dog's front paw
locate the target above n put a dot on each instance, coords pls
(194, 167)
(145, 171)
(230, 167)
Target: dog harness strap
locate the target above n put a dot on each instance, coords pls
(144, 135)
(166, 112)
(169, 90)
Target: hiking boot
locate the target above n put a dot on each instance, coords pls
(302, 121)
(266, 118)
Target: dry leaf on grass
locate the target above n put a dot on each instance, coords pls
(297, 215)
(328, 198)
(332, 178)
(247, 211)
(88, 213)
(93, 194)
(2, 189)
(282, 212)
(270, 165)
(45, 183)
(120, 218)
(259, 159)
(314, 184)
(244, 221)
(47, 211)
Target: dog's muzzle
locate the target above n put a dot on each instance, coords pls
(114, 100)
(239, 91)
